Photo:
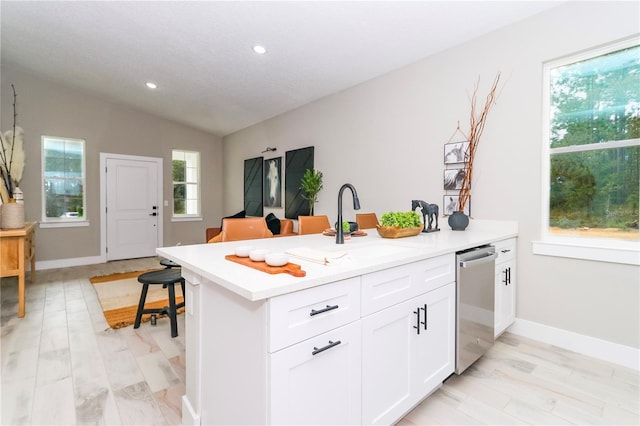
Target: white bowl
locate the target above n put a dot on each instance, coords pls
(243, 251)
(257, 255)
(276, 259)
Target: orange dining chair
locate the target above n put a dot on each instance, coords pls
(313, 224)
(249, 228)
(366, 220)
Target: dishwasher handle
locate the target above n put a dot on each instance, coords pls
(469, 263)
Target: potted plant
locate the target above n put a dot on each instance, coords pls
(458, 220)
(399, 224)
(311, 184)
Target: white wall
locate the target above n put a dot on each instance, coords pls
(386, 137)
(46, 108)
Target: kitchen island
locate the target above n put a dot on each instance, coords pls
(359, 341)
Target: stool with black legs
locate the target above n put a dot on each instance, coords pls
(168, 263)
(168, 278)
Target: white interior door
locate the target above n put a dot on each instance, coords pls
(132, 207)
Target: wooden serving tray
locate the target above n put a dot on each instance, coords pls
(289, 268)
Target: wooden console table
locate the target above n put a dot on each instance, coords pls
(17, 247)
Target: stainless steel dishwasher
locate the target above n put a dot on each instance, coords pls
(475, 304)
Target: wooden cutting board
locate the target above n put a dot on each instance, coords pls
(290, 268)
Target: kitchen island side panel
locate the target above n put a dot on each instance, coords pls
(233, 358)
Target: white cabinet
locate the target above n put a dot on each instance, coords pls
(505, 285)
(298, 316)
(316, 378)
(434, 354)
(318, 381)
(408, 348)
(363, 350)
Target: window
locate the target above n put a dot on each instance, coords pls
(592, 149)
(63, 173)
(186, 184)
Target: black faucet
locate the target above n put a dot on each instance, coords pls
(356, 206)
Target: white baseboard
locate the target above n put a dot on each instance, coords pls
(189, 416)
(586, 345)
(66, 263)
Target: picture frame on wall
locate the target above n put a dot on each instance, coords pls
(453, 178)
(456, 152)
(450, 204)
(272, 193)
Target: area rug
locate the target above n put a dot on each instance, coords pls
(119, 295)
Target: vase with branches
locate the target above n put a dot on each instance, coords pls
(477, 121)
(11, 157)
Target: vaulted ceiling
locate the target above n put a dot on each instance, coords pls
(200, 53)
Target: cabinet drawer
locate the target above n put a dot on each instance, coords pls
(506, 250)
(298, 316)
(390, 286)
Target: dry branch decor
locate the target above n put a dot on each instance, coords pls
(477, 122)
(11, 156)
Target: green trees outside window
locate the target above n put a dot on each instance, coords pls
(64, 178)
(594, 141)
(186, 187)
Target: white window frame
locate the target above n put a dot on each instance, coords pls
(63, 222)
(187, 217)
(598, 249)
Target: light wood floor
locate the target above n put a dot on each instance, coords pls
(61, 364)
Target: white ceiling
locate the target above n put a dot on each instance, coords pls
(199, 53)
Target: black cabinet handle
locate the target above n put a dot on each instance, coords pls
(417, 326)
(320, 311)
(425, 316)
(509, 275)
(505, 250)
(324, 348)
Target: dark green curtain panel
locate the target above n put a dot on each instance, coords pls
(297, 162)
(253, 187)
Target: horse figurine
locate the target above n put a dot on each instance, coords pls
(427, 209)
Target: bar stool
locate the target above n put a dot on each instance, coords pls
(168, 263)
(168, 278)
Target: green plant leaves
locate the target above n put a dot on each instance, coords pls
(401, 219)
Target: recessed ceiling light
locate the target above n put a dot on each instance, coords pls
(151, 85)
(260, 50)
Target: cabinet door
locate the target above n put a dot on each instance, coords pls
(505, 285)
(433, 354)
(509, 295)
(387, 340)
(505, 313)
(318, 381)
(407, 351)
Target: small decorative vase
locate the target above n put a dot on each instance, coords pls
(12, 215)
(458, 221)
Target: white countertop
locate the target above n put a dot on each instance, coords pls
(366, 254)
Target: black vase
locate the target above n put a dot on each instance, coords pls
(458, 221)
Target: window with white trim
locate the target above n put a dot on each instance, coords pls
(592, 149)
(186, 183)
(63, 181)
